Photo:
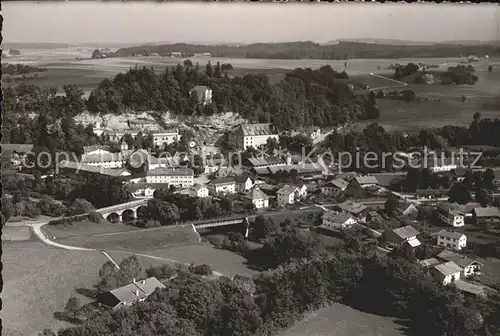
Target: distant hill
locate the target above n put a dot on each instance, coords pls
(312, 50)
(397, 42)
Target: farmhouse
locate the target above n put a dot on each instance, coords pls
(178, 177)
(225, 185)
(257, 198)
(397, 237)
(356, 209)
(486, 213)
(203, 94)
(287, 195)
(426, 263)
(256, 135)
(446, 272)
(450, 216)
(334, 187)
(363, 181)
(243, 183)
(470, 289)
(198, 190)
(338, 220)
(128, 295)
(454, 240)
(469, 267)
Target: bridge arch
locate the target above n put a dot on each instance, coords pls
(128, 214)
(113, 217)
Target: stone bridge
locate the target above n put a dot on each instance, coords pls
(119, 210)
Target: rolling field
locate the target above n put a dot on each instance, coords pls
(38, 280)
(342, 320)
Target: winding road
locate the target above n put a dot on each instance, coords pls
(37, 229)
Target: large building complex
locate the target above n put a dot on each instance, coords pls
(178, 177)
(256, 135)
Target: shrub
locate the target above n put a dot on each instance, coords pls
(160, 272)
(203, 269)
(95, 217)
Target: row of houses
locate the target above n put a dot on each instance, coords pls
(456, 215)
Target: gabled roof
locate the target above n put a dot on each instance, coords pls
(487, 212)
(469, 287)
(406, 232)
(352, 207)
(338, 183)
(103, 157)
(241, 178)
(136, 291)
(287, 190)
(448, 234)
(257, 129)
(19, 148)
(366, 179)
(200, 88)
(337, 217)
(448, 268)
(413, 242)
(429, 262)
(92, 169)
(169, 171)
(458, 259)
(224, 180)
(256, 194)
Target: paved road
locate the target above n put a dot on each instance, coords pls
(398, 83)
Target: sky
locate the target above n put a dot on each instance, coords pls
(117, 22)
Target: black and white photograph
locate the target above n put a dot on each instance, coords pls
(250, 169)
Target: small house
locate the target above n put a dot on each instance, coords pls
(453, 240)
(257, 198)
(243, 183)
(446, 272)
(398, 237)
(224, 185)
(334, 187)
(364, 181)
(287, 195)
(469, 266)
(126, 296)
(485, 213)
(338, 220)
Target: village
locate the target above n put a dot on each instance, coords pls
(261, 180)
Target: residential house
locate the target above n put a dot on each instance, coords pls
(96, 149)
(454, 240)
(334, 187)
(302, 190)
(225, 185)
(406, 208)
(150, 188)
(257, 198)
(287, 195)
(446, 272)
(128, 295)
(256, 135)
(469, 266)
(471, 290)
(486, 213)
(338, 220)
(243, 183)
(198, 190)
(203, 93)
(397, 237)
(179, 177)
(358, 210)
(450, 216)
(104, 159)
(363, 181)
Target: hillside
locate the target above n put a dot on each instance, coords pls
(301, 50)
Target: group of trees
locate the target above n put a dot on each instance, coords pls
(459, 74)
(20, 69)
(303, 97)
(168, 207)
(305, 275)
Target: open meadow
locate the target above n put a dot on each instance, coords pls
(38, 280)
(340, 319)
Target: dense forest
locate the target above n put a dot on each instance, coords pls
(304, 50)
(304, 97)
(305, 275)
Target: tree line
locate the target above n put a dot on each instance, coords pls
(310, 50)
